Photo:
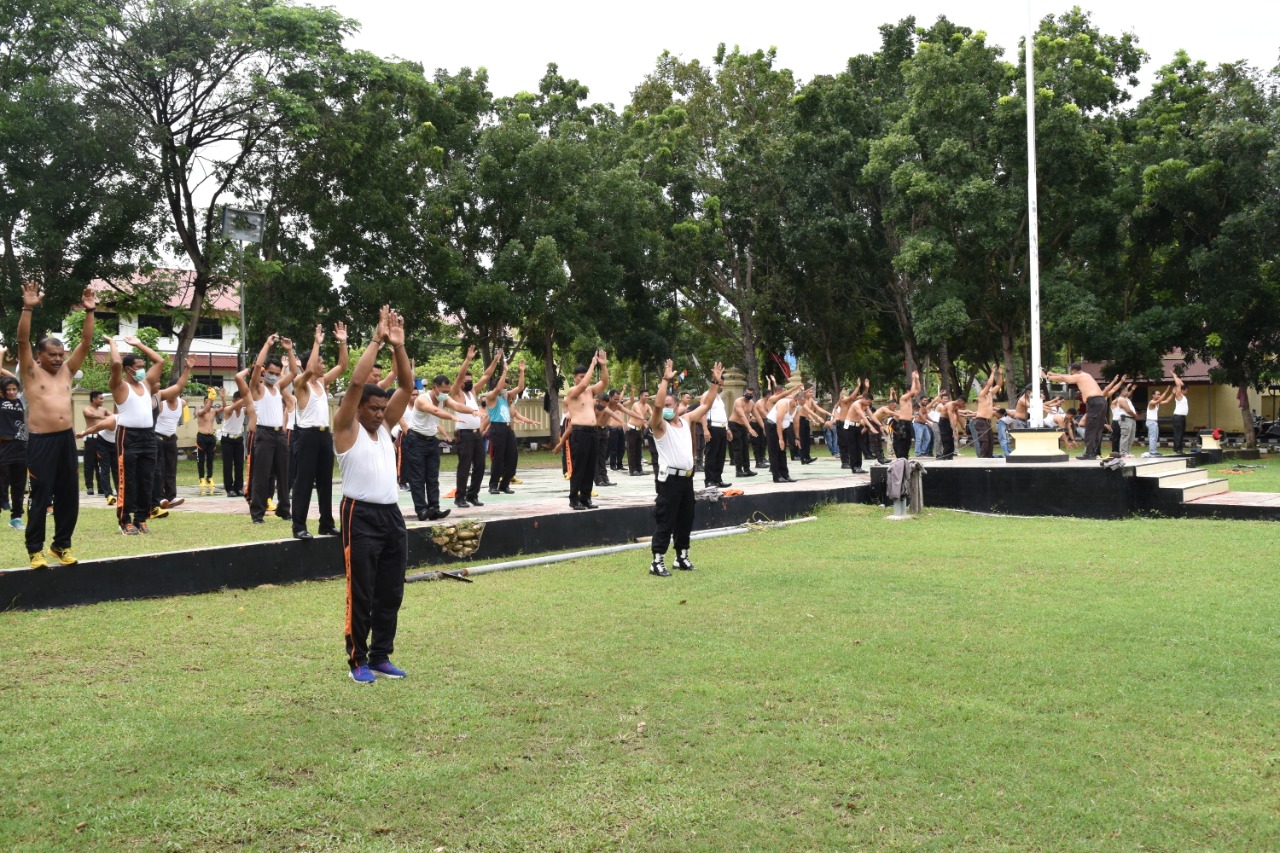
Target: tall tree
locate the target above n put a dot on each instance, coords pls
(204, 80)
(729, 197)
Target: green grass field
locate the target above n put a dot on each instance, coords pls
(956, 682)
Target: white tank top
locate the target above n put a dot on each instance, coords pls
(270, 408)
(233, 425)
(1116, 412)
(135, 411)
(1153, 413)
(316, 412)
(675, 447)
(108, 435)
(167, 419)
(786, 419)
(369, 468)
(1181, 407)
(425, 422)
(468, 421)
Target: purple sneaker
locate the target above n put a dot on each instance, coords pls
(388, 669)
(363, 675)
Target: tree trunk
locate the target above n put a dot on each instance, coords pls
(1250, 434)
(946, 382)
(199, 288)
(751, 366)
(553, 396)
(1011, 379)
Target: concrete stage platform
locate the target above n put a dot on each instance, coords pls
(538, 519)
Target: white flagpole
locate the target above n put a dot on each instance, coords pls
(1036, 410)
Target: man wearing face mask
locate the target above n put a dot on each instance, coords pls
(270, 450)
(674, 505)
(470, 442)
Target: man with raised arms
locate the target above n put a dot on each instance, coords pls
(580, 403)
(467, 435)
(903, 422)
(500, 403)
(374, 540)
(47, 376)
(638, 413)
(673, 435)
(131, 390)
(270, 452)
(1094, 401)
(312, 441)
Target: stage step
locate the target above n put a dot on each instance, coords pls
(1208, 487)
(1182, 479)
(1158, 467)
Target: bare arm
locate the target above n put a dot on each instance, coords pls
(344, 419)
(175, 390)
(708, 396)
(584, 383)
(259, 366)
(90, 301)
(604, 374)
(339, 335)
(119, 389)
(656, 423)
(404, 370)
(456, 387)
(30, 300)
(515, 393)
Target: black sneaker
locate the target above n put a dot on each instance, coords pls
(461, 503)
(493, 491)
(508, 491)
(682, 561)
(575, 505)
(329, 531)
(748, 473)
(722, 485)
(437, 514)
(474, 502)
(303, 535)
(658, 567)
(588, 504)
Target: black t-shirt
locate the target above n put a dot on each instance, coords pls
(13, 419)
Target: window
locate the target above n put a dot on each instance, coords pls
(159, 322)
(209, 328)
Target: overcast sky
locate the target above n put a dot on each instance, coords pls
(611, 46)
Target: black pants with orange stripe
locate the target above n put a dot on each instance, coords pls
(55, 478)
(136, 449)
(375, 551)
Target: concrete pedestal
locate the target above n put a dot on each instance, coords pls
(1036, 445)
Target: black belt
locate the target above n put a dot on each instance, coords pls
(271, 428)
(317, 429)
(460, 431)
(423, 435)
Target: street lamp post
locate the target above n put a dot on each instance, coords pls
(242, 226)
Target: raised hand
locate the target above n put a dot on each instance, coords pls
(287, 343)
(133, 341)
(273, 338)
(395, 329)
(30, 294)
(520, 364)
(340, 332)
(600, 357)
(471, 352)
(717, 373)
(384, 320)
(668, 371)
(89, 299)
(319, 333)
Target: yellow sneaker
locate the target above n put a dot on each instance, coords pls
(38, 560)
(271, 505)
(111, 500)
(157, 512)
(63, 556)
(516, 481)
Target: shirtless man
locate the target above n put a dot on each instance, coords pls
(97, 457)
(206, 444)
(609, 413)
(638, 412)
(868, 427)
(809, 413)
(986, 411)
(580, 404)
(47, 377)
(1094, 401)
(903, 422)
(741, 432)
(953, 414)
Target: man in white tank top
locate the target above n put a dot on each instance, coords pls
(467, 435)
(232, 444)
(374, 547)
(673, 436)
(164, 494)
(1181, 408)
(1156, 400)
(135, 437)
(312, 442)
(270, 449)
